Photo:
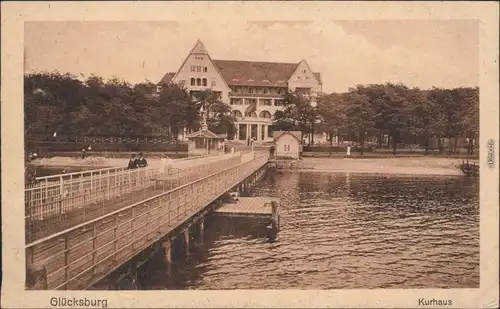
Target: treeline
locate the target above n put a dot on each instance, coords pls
(63, 104)
(387, 113)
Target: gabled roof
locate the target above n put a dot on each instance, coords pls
(167, 78)
(251, 73)
(246, 73)
(278, 134)
(204, 133)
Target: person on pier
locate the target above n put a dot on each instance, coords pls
(132, 162)
(271, 151)
(141, 161)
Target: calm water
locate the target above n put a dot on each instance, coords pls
(343, 231)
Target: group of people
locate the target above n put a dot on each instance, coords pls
(137, 161)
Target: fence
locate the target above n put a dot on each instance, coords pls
(101, 139)
(54, 202)
(78, 257)
(88, 173)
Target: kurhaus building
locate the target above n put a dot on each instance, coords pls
(254, 90)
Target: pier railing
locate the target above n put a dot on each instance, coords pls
(55, 202)
(79, 256)
(45, 180)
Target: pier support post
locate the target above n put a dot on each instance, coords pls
(275, 215)
(202, 230)
(186, 241)
(167, 245)
(133, 274)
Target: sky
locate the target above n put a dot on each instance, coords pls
(418, 53)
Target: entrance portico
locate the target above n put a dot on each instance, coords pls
(258, 130)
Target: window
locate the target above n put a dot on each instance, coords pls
(265, 114)
(193, 82)
(205, 69)
(236, 113)
(198, 57)
(198, 69)
(204, 82)
(304, 71)
(236, 101)
(198, 82)
(213, 83)
(193, 68)
(287, 147)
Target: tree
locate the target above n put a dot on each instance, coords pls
(471, 102)
(49, 99)
(218, 114)
(359, 114)
(298, 114)
(453, 112)
(331, 109)
(177, 108)
(426, 118)
(390, 107)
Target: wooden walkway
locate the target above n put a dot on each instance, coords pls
(248, 207)
(82, 252)
(63, 212)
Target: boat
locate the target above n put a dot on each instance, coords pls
(469, 169)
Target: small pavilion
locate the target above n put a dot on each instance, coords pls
(204, 142)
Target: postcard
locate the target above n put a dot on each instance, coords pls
(250, 154)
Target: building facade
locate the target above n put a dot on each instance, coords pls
(288, 144)
(254, 90)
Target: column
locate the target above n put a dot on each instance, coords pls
(266, 132)
(237, 137)
(249, 132)
(259, 134)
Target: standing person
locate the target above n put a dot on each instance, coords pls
(132, 162)
(142, 162)
(271, 151)
(166, 163)
(84, 154)
(163, 161)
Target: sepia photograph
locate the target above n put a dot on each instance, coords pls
(244, 153)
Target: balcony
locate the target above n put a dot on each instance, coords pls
(255, 95)
(259, 120)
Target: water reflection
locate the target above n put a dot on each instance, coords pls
(344, 231)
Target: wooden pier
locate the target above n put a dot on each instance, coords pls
(70, 246)
(253, 207)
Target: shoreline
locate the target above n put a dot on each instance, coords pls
(392, 173)
(383, 166)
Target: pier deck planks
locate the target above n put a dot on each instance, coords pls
(247, 207)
